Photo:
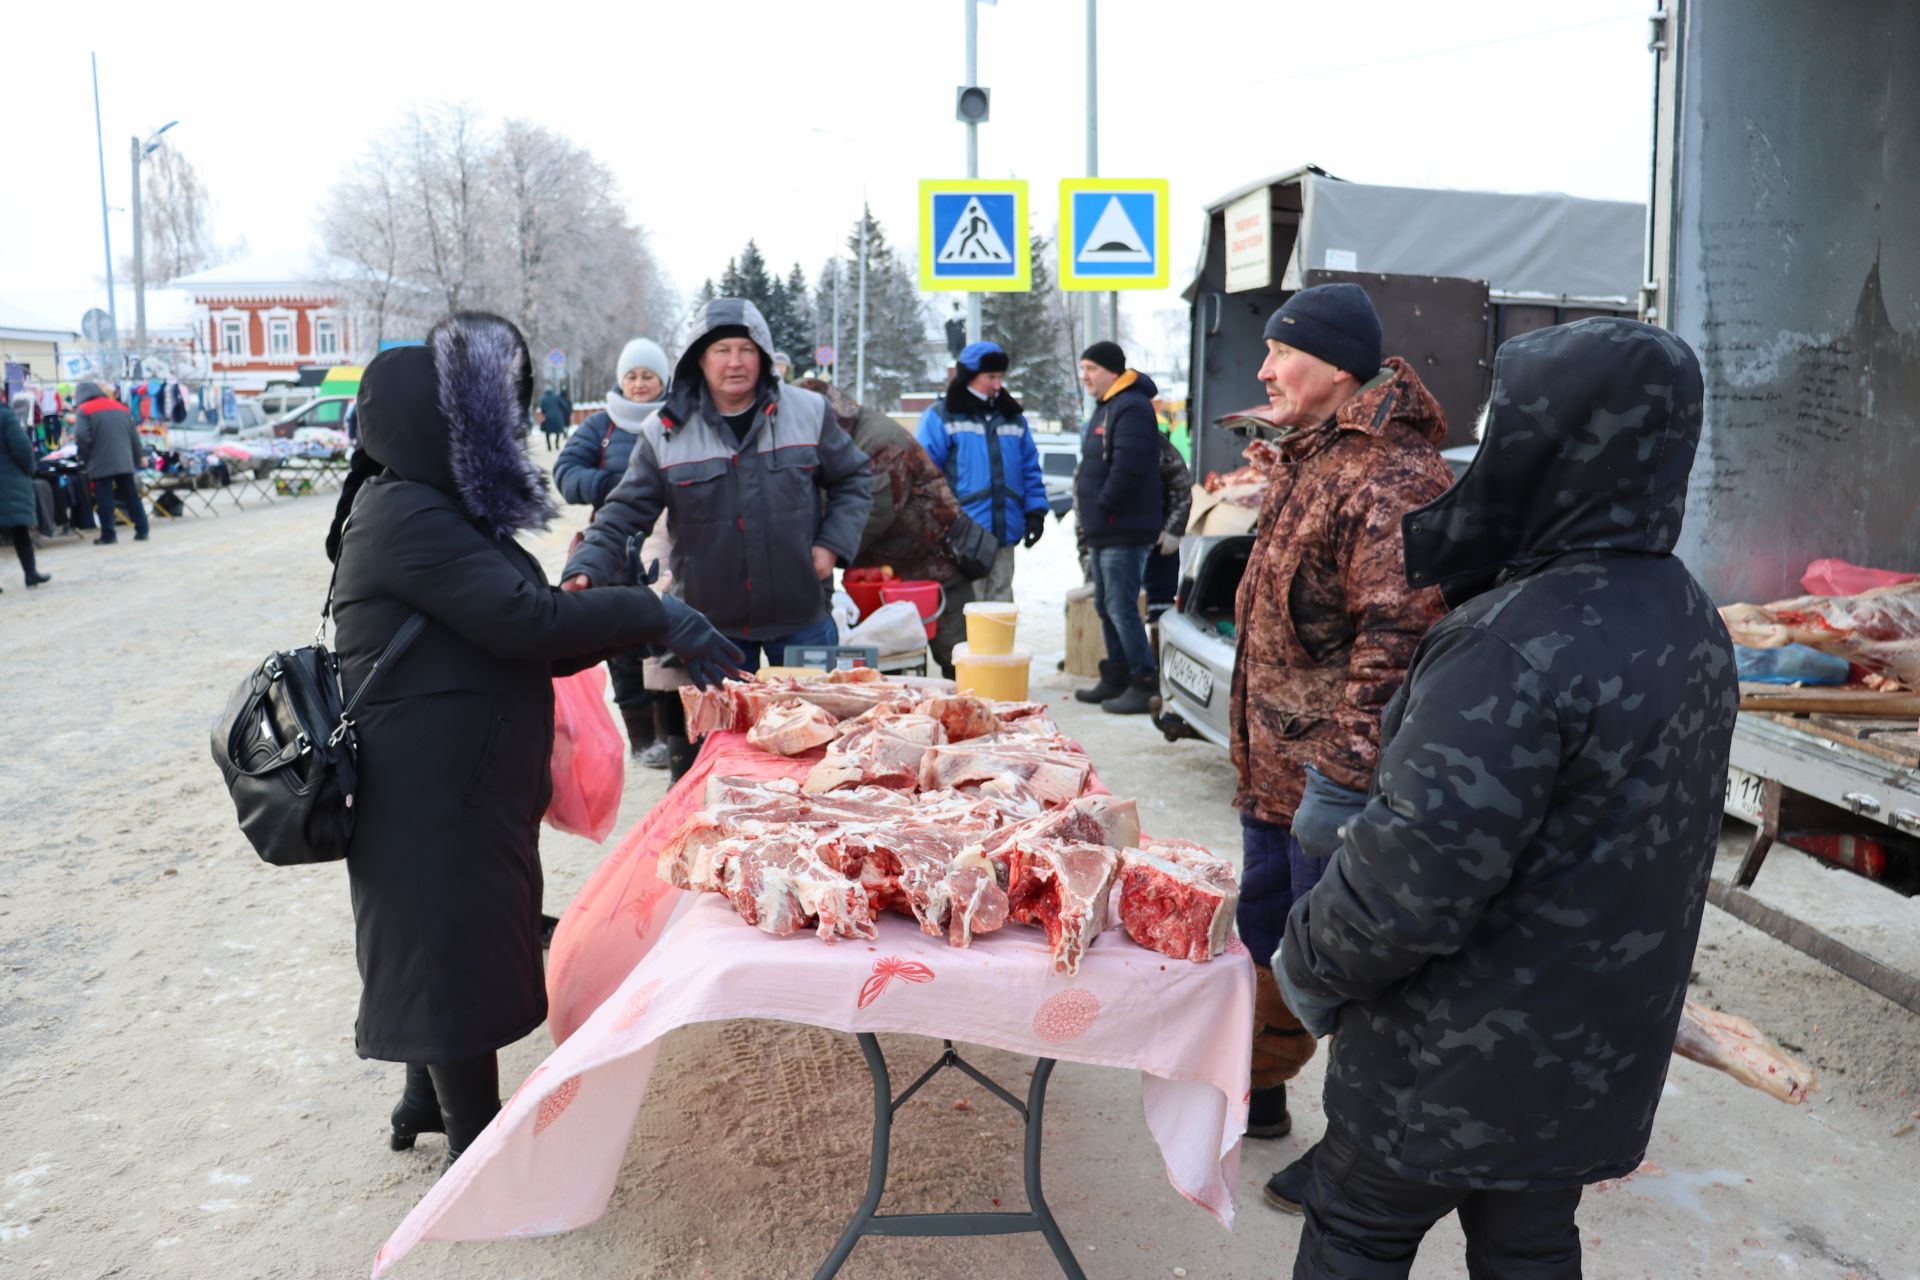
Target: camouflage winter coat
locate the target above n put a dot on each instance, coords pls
(1503, 938)
(1327, 621)
(913, 507)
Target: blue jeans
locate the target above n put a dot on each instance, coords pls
(1275, 873)
(821, 632)
(1116, 595)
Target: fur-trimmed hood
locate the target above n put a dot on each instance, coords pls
(452, 415)
(961, 402)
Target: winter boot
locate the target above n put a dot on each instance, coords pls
(1113, 683)
(469, 1093)
(1141, 686)
(680, 757)
(1267, 1113)
(418, 1112)
(639, 729)
(1287, 1188)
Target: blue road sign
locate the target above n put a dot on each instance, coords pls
(1114, 233)
(973, 235)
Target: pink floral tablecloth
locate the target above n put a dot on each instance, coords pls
(549, 1160)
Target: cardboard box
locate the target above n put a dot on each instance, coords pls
(1212, 514)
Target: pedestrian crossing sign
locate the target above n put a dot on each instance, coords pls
(973, 235)
(1113, 233)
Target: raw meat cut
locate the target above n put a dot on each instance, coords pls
(1878, 630)
(963, 716)
(1735, 1046)
(1103, 820)
(1062, 887)
(791, 727)
(779, 887)
(1055, 776)
(1177, 898)
(885, 753)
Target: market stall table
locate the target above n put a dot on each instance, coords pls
(635, 958)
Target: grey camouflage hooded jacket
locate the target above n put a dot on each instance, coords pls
(744, 517)
(1503, 939)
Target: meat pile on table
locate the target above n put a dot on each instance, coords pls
(957, 811)
(1878, 630)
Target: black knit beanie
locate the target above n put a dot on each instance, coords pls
(1107, 355)
(1334, 322)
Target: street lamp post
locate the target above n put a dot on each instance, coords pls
(140, 151)
(973, 144)
(106, 233)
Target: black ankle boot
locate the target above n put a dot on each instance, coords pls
(639, 728)
(418, 1112)
(469, 1093)
(1113, 683)
(680, 757)
(1137, 698)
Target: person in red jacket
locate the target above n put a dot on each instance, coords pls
(110, 451)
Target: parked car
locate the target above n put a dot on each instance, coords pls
(247, 423)
(279, 401)
(1059, 457)
(326, 411)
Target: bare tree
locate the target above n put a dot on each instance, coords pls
(445, 213)
(175, 211)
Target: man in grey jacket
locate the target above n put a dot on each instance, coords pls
(110, 450)
(763, 491)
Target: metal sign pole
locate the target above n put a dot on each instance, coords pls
(973, 145)
(106, 234)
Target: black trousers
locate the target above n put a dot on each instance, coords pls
(104, 490)
(1366, 1222)
(22, 537)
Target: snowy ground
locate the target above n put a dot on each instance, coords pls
(182, 1099)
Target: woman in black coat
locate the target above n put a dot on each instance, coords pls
(455, 739)
(19, 510)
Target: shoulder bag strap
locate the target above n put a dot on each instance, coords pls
(409, 632)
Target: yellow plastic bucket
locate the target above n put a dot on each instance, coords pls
(990, 627)
(1000, 676)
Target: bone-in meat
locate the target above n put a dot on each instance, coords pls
(1735, 1046)
(791, 727)
(1062, 887)
(1177, 898)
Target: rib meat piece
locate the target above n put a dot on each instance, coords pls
(1103, 820)
(780, 886)
(1735, 1046)
(886, 753)
(1878, 630)
(1062, 887)
(1055, 776)
(790, 727)
(1177, 898)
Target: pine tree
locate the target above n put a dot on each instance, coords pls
(802, 330)
(896, 320)
(730, 283)
(755, 285)
(1040, 368)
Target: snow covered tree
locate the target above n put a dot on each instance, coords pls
(1040, 371)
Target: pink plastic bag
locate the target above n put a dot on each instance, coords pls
(1838, 578)
(589, 763)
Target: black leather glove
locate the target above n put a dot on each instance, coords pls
(709, 657)
(1036, 525)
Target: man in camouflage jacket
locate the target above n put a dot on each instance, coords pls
(1326, 622)
(1503, 939)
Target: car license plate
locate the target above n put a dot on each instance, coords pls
(1745, 794)
(1189, 677)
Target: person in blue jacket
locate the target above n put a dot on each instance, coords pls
(980, 438)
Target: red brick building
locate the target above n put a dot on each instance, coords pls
(266, 316)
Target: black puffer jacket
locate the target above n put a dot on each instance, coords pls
(454, 743)
(1503, 939)
(1116, 495)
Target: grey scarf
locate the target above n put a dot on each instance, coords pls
(628, 415)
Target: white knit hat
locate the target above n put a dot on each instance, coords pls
(643, 353)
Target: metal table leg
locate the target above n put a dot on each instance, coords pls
(866, 1222)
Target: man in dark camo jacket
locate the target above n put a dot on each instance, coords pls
(1503, 938)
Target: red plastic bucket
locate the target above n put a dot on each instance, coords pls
(865, 595)
(924, 594)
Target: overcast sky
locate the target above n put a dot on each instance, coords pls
(756, 118)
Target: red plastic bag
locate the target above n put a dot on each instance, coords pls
(1838, 578)
(589, 762)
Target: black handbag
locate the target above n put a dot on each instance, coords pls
(971, 546)
(287, 749)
